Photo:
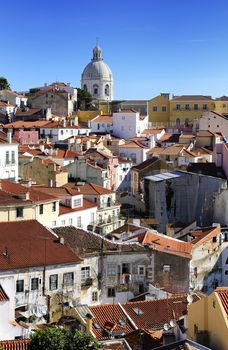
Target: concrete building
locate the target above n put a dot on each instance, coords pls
(97, 77)
(207, 320)
(134, 151)
(220, 156)
(128, 123)
(102, 124)
(8, 157)
(182, 197)
(13, 98)
(60, 97)
(214, 122)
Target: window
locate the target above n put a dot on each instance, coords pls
(85, 87)
(107, 90)
(187, 107)
(141, 270)
(111, 269)
(77, 202)
(53, 282)
(166, 268)
(34, 283)
(79, 221)
(7, 157)
(155, 108)
(138, 311)
(196, 107)
(226, 272)
(214, 239)
(63, 222)
(186, 123)
(163, 108)
(41, 209)
(92, 218)
(125, 268)
(178, 121)
(53, 223)
(20, 286)
(178, 107)
(204, 107)
(94, 296)
(68, 279)
(19, 212)
(111, 292)
(85, 274)
(53, 206)
(13, 157)
(61, 132)
(70, 221)
(95, 89)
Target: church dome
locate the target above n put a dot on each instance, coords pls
(97, 68)
(97, 77)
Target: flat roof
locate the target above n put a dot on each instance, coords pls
(164, 176)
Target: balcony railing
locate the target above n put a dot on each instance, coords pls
(87, 283)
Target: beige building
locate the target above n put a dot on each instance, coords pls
(208, 320)
(20, 203)
(60, 97)
(45, 171)
(159, 109)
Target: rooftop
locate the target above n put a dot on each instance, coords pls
(29, 244)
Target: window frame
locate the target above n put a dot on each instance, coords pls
(68, 279)
(34, 284)
(53, 281)
(18, 285)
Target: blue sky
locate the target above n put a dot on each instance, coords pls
(151, 46)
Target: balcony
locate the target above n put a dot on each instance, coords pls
(87, 283)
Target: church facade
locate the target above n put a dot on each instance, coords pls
(97, 77)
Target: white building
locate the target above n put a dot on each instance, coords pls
(214, 122)
(97, 77)
(128, 124)
(13, 98)
(59, 132)
(8, 157)
(134, 151)
(102, 124)
(7, 108)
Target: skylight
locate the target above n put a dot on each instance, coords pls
(96, 325)
(138, 311)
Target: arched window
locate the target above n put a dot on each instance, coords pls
(178, 121)
(85, 87)
(107, 90)
(95, 89)
(186, 123)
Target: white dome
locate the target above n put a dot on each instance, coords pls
(97, 70)
(97, 77)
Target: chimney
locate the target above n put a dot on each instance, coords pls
(9, 135)
(89, 323)
(61, 240)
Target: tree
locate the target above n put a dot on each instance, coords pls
(4, 83)
(55, 338)
(84, 98)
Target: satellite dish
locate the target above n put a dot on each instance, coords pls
(172, 323)
(189, 298)
(166, 327)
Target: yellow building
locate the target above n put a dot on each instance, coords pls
(208, 320)
(221, 105)
(184, 109)
(159, 109)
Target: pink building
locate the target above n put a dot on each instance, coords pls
(26, 137)
(220, 156)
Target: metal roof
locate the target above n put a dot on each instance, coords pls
(164, 176)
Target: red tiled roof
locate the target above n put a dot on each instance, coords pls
(108, 316)
(102, 119)
(86, 205)
(191, 98)
(223, 296)
(152, 131)
(165, 244)
(8, 187)
(28, 244)
(3, 295)
(89, 189)
(18, 344)
(204, 235)
(21, 124)
(133, 144)
(152, 314)
(62, 153)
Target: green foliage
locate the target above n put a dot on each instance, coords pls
(55, 338)
(4, 83)
(84, 98)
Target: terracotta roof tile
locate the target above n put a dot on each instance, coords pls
(3, 295)
(145, 164)
(152, 314)
(204, 235)
(18, 344)
(108, 316)
(89, 189)
(151, 131)
(191, 98)
(86, 205)
(102, 119)
(30, 244)
(223, 296)
(164, 243)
